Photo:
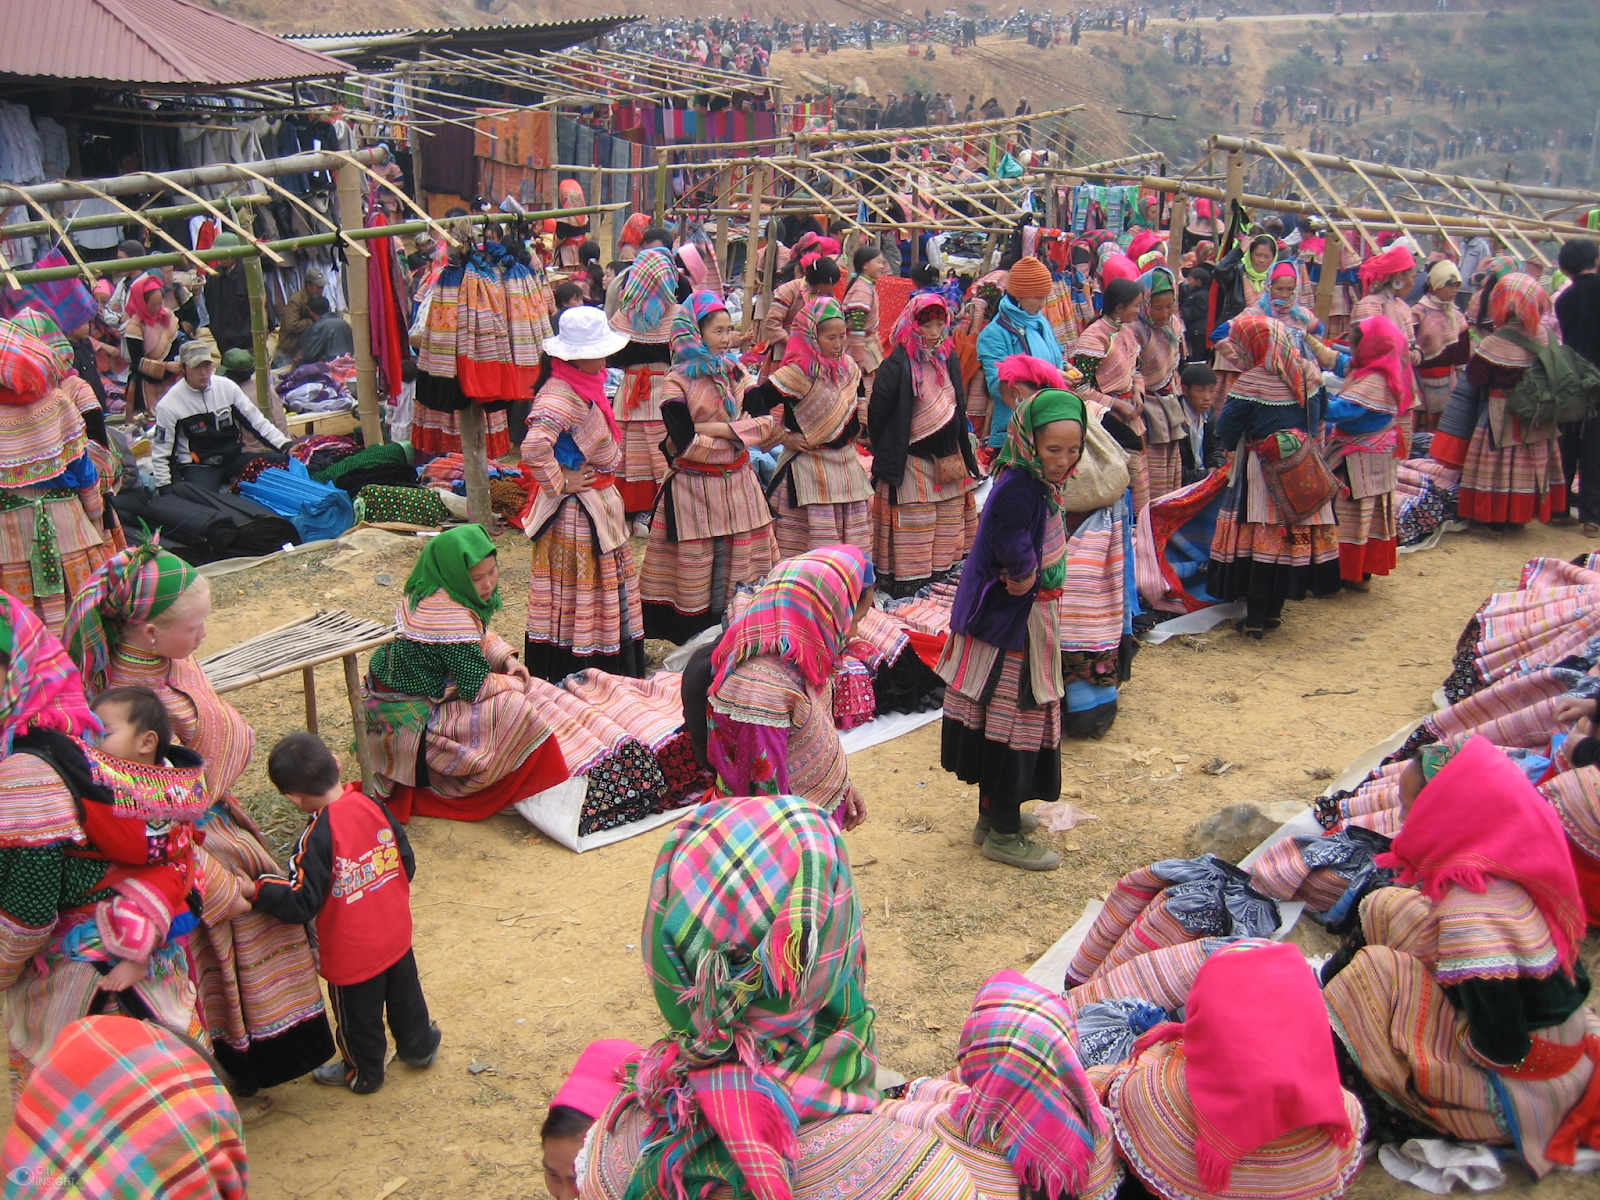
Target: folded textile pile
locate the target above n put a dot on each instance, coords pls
(317, 510)
(201, 526)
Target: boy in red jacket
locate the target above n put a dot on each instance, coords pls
(351, 870)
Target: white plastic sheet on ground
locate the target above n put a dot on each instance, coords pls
(555, 813)
(1198, 621)
(1436, 1166)
(1437, 536)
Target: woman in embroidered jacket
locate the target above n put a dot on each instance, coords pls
(61, 909)
(1002, 709)
(1160, 333)
(1386, 280)
(861, 313)
(583, 597)
(644, 316)
(770, 726)
(138, 624)
(1444, 344)
(1510, 471)
(820, 490)
(924, 470)
(454, 729)
(1362, 442)
(52, 499)
(817, 276)
(1273, 408)
(1108, 354)
(1460, 1002)
(712, 529)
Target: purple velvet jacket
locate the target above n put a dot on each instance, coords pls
(1010, 538)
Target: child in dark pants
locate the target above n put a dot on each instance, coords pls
(351, 870)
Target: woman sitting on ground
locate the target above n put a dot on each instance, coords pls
(753, 944)
(1462, 1013)
(453, 730)
(770, 727)
(139, 624)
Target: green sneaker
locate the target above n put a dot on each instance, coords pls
(981, 829)
(1015, 850)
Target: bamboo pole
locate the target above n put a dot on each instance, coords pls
(1331, 258)
(1178, 223)
(126, 216)
(724, 226)
(752, 233)
(475, 460)
(266, 395)
(351, 213)
(661, 185)
(1233, 193)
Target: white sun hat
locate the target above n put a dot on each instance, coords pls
(585, 333)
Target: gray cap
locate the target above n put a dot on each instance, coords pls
(193, 354)
(315, 275)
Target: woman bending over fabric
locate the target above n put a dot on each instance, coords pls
(1275, 407)
(1108, 354)
(150, 342)
(1361, 448)
(712, 529)
(583, 598)
(59, 919)
(1002, 708)
(770, 726)
(861, 313)
(1161, 335)
(52, 503)
(753, 944)
(138, 624)
(924, 470)
(1510, 471)
(644, 316)
(817, 278)
(163, 1123)
(1188, 1107)
(1020, 1113)
(1444, 344)
(820, 489)
(1463, 1009)
(453, 728)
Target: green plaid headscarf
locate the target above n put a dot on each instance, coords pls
(752, 940)
(135, 586)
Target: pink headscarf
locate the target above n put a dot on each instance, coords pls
(1284, 270)
(43, 687)
(139, 306)
(1382, 351)
(1024, 368)
(1143, 242)
(1379, 267)
(593, 1083)
(1118, 266)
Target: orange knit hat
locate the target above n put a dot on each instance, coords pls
(1029, 280)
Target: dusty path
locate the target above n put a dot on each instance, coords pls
(528, 951)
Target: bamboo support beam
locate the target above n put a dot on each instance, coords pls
(752, 233)
(352, 212)
(266, 397)
(1331, 257)
(125, 216)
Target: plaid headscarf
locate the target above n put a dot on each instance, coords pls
(1260, 341)
(802, 614)
(802, 349)
(43, 688)
(930, 365)
(1152, 284)
(693, 357)
(135, 586)
(1519, 300)
(42, 326)
(1029, 1095)
(28, 367)
(648, 297)
(125, 1110)
(752, 940)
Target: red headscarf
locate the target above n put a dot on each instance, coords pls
(1382, 351)
(1379, 267)
(139, 304)
(1259, 1056)
(1480, 819)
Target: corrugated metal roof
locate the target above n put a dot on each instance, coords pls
(521, 27)
(147, 42)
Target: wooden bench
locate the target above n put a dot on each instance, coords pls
(303, 646)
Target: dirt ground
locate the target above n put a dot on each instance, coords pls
(528, 951)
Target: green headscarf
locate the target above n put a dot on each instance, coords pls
(135, 585)
(447, 563)
(1434, 757)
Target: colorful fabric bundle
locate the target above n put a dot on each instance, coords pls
(43, 687)
(382, 504)
(752, 940)
(802, 614)
(43, 328)
(137, 585)
(125, 1109)
(317, 510)
(1029, 1095)
(484, 365)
